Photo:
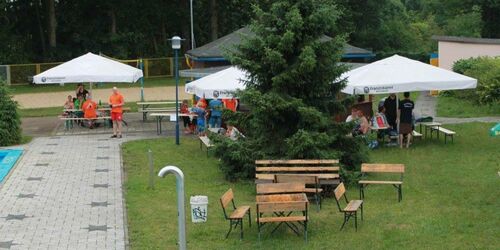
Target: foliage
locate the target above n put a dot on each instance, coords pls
(487, 71)
(440, 209)
(293, 91)
(10, 123)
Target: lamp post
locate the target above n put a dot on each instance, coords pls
(192, 29)
(176, 46)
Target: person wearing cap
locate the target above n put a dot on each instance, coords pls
(116, 103)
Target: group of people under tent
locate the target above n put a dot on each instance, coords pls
(208, 111)
(83, 106)
(386, 120)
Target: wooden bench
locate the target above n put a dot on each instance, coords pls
(68, 120)
(416, 134)
(327, 171)
(236, 216)
(145, 108)
(281, 188)
(351, 208)
(382, 169)
(204, 140)
(445, 131)
(284, 209)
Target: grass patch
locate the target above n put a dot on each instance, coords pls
(26, 139)
(450, 199)
(148, 83)
(448, 106)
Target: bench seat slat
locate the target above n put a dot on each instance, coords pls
(291, 162)
(382, 168)
(282, 219)
(296, 169)
(353, 205)
(444, 130)
(320, 176)
(239, 212)
(83, 119)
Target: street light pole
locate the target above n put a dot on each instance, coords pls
(176, 46)
(192, 30)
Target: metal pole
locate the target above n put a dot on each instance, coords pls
(141, 66)
(192, 30)
(151, 169)
(176, 96)
(179, 177)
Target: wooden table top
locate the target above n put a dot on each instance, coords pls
(155, 103)
(172, 114)
(99, 109)
(379, 128)
(281, 198)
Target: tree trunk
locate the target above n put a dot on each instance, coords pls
(40, 28)
(51, 22)
(113, 22)
(214, 20)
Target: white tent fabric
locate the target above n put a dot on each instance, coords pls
(218, 85)
(89, 68)
(397, 74)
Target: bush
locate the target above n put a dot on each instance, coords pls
(487, 72)
(10, 123)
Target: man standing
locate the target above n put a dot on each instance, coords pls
(390, 110)
(215, 113)
(116, 102)
(405, 114)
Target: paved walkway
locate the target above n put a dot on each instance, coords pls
(65, 193)
(57, 99)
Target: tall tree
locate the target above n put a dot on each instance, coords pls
(294, 87)
(51, 23)
(214, 20)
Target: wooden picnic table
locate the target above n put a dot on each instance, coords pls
(145, 109)
(99, 109)
(283, 209)
(428, 126)
(159, 117)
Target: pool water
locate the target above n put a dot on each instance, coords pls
(8, 158)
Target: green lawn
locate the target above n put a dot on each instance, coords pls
(150, 82)
(450, 200)
(454, 107)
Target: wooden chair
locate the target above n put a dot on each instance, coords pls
(303, 179)
(352, 207)
(236, 216)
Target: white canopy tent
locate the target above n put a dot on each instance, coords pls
(221, 84)
(398, 74)
(89, 68)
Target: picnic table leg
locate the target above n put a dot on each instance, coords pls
(361, 211)
(241, 228)
(249, 218)
(356, 221)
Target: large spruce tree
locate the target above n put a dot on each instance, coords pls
(294, 88)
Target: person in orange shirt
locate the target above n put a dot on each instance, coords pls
(116, 103)
(89, 108)
(231, 104)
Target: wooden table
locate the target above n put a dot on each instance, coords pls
(428, 126)
(283, 209)
(159, 117)
(145, 109)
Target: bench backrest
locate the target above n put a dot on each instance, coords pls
(266, 169)
(339, 192)
(383, 168)
(280, 188)
(287, 178)
(226, 199)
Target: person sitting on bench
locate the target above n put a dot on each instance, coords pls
(89, 111)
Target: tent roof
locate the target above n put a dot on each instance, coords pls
(215, 49)
(218, 85)
(89, 68)
(400, 74)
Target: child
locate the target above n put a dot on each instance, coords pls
(68, 105)
(185, 119)
(200, 111)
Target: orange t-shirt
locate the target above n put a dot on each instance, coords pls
(114, 100)
(89, 109)
(230, 104)
(203, 103)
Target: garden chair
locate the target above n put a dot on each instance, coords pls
(352, 207)
(236, 216)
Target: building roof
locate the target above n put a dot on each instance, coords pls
(459, 39)
(214, 51)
